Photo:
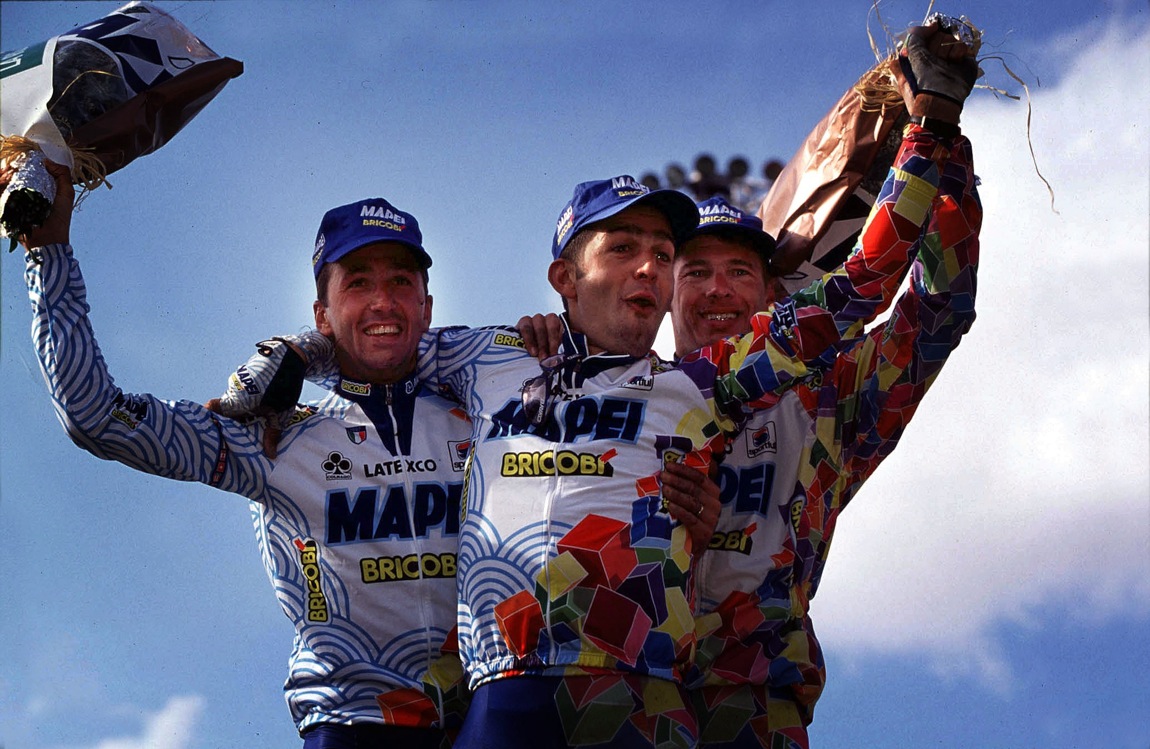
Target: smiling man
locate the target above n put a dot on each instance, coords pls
(720, 276)
(360, 510)
(796, 465)
(576, 588)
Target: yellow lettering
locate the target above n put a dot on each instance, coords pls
(566, 463)
(510, 464)
(411, 567)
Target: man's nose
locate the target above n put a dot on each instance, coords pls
(382, 301)
(720, 286)
(648, 266)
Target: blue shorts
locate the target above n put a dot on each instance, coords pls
(606, 711)
(373, 736)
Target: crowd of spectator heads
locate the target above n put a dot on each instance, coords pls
(737, 184)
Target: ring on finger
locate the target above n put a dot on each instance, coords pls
(698, 509)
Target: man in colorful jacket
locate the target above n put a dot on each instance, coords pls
(795, 465)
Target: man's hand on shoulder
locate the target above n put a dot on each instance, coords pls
(541, 334)
(267, 386)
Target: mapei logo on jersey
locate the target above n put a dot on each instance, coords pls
(355, 388)
(740, 540)
(242, 379)
(459, 452)
(557, 463)
(747, 489)
(762, 440)
(508, 339)
(337, 467)
(640, 382)
(129, 409)
(309, 565)
(375, 514)
(587, 418)
(357, 435)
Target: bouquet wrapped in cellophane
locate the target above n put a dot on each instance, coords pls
(94, 99)
(818, 204)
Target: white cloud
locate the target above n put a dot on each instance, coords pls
(171, 727)
(1023, 486)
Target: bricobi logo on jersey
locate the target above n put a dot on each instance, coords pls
(511, 340)
(762, 440)
(583, 419)
(399, 512)
(309, 566)
(557, 463)
(336, 467)
(301, 413)
(407, 567)
(355, 388)
(740, 540)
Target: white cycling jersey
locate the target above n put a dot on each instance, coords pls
(360, 511)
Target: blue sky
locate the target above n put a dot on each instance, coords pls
(987, 588)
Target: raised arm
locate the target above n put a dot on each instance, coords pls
(179, 440)
(803, 333)
(880, 381)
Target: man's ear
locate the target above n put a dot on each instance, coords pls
(427, 313)
(561, 274)
(321, 321)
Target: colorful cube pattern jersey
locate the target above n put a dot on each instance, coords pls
(797, 464)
